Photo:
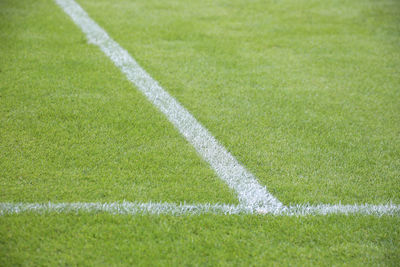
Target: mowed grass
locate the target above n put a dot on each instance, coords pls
(208, 240)
(74, 129)
(304, 94)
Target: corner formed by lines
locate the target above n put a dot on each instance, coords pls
(253, 197)
(237, 177)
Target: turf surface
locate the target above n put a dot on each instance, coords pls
(73, 128)
(99, 239)
(304, 94)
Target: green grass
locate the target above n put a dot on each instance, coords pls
(74, 129)
(304, 94)
(101, 239)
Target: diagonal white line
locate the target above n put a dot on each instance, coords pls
(131, 208)
(249, 191)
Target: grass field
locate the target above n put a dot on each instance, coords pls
(305, 94)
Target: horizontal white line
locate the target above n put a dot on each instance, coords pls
(132, 208)
(349, 209)
(123, 208)
(249, 191)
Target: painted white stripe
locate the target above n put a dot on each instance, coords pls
(328, 209)
(122, 208)
(249, 191)
(195, 209)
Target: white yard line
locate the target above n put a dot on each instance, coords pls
(349, 209)
(131, 208)
(249, 191)
(122, 208)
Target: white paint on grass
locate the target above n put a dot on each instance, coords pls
(249, 191)
(131, 208)
(349, 209)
